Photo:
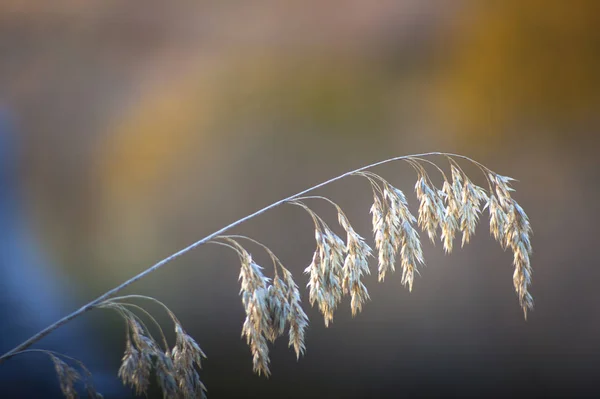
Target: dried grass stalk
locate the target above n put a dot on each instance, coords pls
(337, 269)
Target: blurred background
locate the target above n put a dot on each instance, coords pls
(128, 130)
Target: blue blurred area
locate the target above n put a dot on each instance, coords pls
(33, 293)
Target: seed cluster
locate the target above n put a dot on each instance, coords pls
(176, 369)
(337, 269)
(68, 376)
(269, 306)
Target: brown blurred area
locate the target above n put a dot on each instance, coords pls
(145, 126)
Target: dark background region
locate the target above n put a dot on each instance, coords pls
(130, 129)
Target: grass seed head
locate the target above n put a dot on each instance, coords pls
(135, 369)
(67, 376)
(431, 207)
(472, 196)
(297, 319)
(337, 269)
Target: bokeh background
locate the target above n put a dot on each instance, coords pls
(130, 129)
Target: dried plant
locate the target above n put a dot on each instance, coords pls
(273, 305)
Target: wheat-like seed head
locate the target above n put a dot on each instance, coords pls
(337, 269)
(431, 207)
(384, 240)
(256, 325)
(133, 371)
(457, 180)
(405, 237)
(472, 196)
(278, 307)
(331, 252)
(314, 270)
(518, 230)
(176, 371)
(166, 377)
(136, 366)
(67, 376)
(503, 188)
(269, 307)
(498, 218)
(325, 269)
(510, 225)
(355, 265)
(452, 215)
(186, 359)
(297, 319)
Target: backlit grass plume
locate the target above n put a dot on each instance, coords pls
(272, 301)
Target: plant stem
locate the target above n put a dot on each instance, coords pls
(91, 305)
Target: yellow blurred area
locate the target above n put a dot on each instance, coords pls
(152, 136)
(125, 107)
(143, 108)
(521, 62)
(187, 116)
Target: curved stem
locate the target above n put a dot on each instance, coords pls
(319, 222)
(434, 164)
(110, 293)
(128, 315)
(149, 298)
(374, 184)
(484, 170)
(53, 353)
(274, 258)
(236, 246)
(237, 250)
(323, 198)
(416, 166)
(375, 176)
(337, 207)
(59, 355)
(110, 303)
(481, 166)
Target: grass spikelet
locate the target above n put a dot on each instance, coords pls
(283, 301)
(186, 361)
(333, 254)
(278, 308)
(405, 236)
(297, 319)
(135, 369)
(498, 219)
(67, 376)
(325, 270)
(510, 226)
(384, 241)
(503, 188)
(457, 180)
(472, 197)
(431, 207)
(176, 371)
(315, 271)
(452, 214)
(166, 377)
(355, 265)
(254, 298)
(518, 231)
(337, 269)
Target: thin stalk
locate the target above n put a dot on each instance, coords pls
(110, 293)
(274, 258)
